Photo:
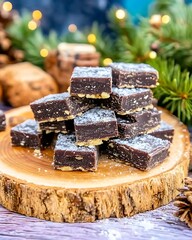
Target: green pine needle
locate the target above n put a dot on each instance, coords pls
(175, 89)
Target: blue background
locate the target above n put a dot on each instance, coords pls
(58, 14)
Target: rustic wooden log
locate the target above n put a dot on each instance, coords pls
(30, 186)
(23, 83)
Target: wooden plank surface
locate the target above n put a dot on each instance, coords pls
(157, 224)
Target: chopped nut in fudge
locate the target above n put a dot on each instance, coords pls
(26, 135)
(69, 157)
(138, 123)
(143, 152)
(125, 100)
(59, 107)
(129, 75)
(165, 131)
(94, 126)
(91, 82)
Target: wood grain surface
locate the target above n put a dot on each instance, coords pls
(115, 190)
(156, 225)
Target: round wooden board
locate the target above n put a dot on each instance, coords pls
(30, 186)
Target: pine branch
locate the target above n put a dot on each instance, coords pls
(175, 37)
(175, 89)
(31, 42)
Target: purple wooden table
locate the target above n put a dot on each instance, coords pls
(152, 225)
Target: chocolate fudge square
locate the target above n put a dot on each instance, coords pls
(129, 75)
(126, 100)
(69, 157)
(138, 123)
(2, 121)
(142, 152)
(165, 132)
(58, 107)
(94, 126)
(91, 82)
(26, 135)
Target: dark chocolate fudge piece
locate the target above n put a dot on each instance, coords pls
(57, 126)
(143, 152)
(92, 82)
(125, 100)
(165, 131)
(138, 123)
(2, 121)
(58, 107)
(26, 134)
(134, 75)
(68, 156)
(95, 125)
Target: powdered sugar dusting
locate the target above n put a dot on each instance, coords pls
(67, 142)
(95, 115)
(28, 126)
(133, 67)
(92, 72)
(129, 91)
(145, 143)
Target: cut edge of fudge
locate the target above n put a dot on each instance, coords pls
(143, 152)
(137, 123)
(70, 157)
(134, 110)
(102, 122)
(59, 107)
(91, 82)
(26, 134)
(125, 100)
(131, 75)
(165, 131)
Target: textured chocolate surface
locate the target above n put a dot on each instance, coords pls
(68, 156)
(2, 121)
(59, 107)
(95, 124)
(91, 81)
(142, 152)
(57, 126)
(124, 100)
(134, 75)
(26, 135)
(138, 123)
(165, 131)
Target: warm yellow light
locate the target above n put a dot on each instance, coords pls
(7, 6)
(152, 54)
(165, 19)
(72, 28)
(44, 52)
(32, 25)
(120, 14)
(91, 38)
(107, 61)
(155, 19)
(37, 15)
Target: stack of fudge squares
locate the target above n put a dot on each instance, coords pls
(107, 108)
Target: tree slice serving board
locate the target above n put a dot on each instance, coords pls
(30, 186)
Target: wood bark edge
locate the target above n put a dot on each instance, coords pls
(86, 205)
